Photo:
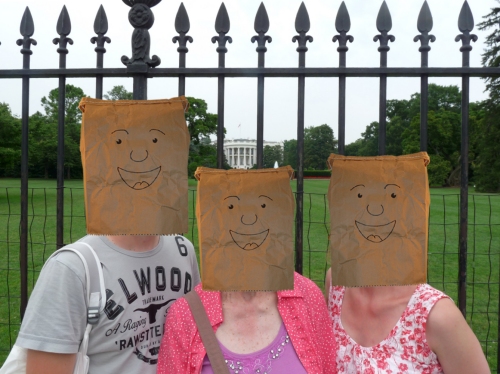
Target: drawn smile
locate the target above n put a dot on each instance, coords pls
(139, 180)
(249, 242)
(376, 233)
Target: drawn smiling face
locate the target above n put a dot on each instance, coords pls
(252, 232)
(379, 209)
(134, 155)
(376, 226)
(140, 172)
(245, 222)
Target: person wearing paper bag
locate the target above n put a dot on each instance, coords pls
(385, 318)
(265, 316)
(134, 155)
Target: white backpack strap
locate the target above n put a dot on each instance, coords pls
(96, 291)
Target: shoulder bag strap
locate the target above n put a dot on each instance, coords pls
(207, 335)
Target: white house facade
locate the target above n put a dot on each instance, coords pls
(242, 153)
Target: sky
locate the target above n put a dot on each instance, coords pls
(280, 118)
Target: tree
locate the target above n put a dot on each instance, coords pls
(73, 96)
(72, 122)
(290, 153)
(10, 142)
(272, 154)
(486, 165)
(319, 143)
(200, 123)
(491, 55)
(118, 93)
(42, 147)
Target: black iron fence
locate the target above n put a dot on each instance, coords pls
(140, 66)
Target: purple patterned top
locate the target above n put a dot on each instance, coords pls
(279, 357)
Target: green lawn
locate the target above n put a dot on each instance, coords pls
(483, 258)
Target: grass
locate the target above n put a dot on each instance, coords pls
(483, 260)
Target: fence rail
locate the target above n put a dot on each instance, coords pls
(140, 66)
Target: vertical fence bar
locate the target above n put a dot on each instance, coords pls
(384, 25)
(302, 26)
(27, 30)
(261, 26)
(424, 25)
(182, 26)
(63, 29)
(100, 28)
(343, 25)
(465, 25)
(141, 17)
(222, 26)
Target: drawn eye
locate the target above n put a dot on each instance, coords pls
(230, 206)
(119, 141)
(360, 196)
(393, 195)
(263, 205)
(155, 140)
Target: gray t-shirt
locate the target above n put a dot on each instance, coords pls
(140, 288)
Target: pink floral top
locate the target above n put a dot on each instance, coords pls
(404, 351)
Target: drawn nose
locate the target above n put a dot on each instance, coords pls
(138, 155)
(248, 223)
(375, 208)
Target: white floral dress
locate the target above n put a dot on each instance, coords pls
(404, 351)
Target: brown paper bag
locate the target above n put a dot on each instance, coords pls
(245, 225)
(134, 156)
(379, 209)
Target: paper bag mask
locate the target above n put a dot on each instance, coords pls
(245, 225)
(134, 156)
(379, 209)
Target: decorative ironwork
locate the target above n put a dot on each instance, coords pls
(384, 25)
(302, 26)
(149, 3)
(222, 25)
(343, 25)
(182, 26)
(100, 28)
(424, 25)
(466, 25)
(63, 29)
(27, 30)
(142, 19)
(261, 26)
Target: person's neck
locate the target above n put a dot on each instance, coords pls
(382, 291)
(135, 243)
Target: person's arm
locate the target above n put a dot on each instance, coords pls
(38, 362)
(328, 283)
(452, 340)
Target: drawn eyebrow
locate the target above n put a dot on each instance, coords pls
(267, 197)
(157, 130)
(391, 184)
(358, 185)
(231, 196)
(120, 130)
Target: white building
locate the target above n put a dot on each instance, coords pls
(242, 153)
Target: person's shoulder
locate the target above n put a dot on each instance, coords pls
(179, 242)
(69, 258)
(306, 287)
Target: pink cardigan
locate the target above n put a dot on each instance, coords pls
(304, 314)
